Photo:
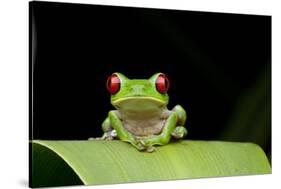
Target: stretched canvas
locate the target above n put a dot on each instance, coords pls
(134, 94)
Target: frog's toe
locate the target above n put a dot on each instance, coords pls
(113, 133)
(150, 149)
(140, 145)
(97, 138)
(109, 138)
(179, 132)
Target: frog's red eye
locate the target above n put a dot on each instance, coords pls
(113, 84)
(162, 83)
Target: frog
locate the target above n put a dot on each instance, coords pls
(141, 116)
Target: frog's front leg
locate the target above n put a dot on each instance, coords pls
(122, 133)
(109, 132)
(180, 131)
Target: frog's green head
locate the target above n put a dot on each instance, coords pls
(138, 93)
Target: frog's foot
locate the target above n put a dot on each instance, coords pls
(142, 145)
(150, 149)
(110, 135)
(179, 132)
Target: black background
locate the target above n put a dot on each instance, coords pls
(219, 66)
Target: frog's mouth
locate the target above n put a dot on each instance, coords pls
(138, 103)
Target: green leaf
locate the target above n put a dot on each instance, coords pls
(58, 163)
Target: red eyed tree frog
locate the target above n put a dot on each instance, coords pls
(141, 116)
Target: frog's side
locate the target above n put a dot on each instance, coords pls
(141, 116)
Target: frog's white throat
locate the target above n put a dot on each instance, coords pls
(140, 104)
